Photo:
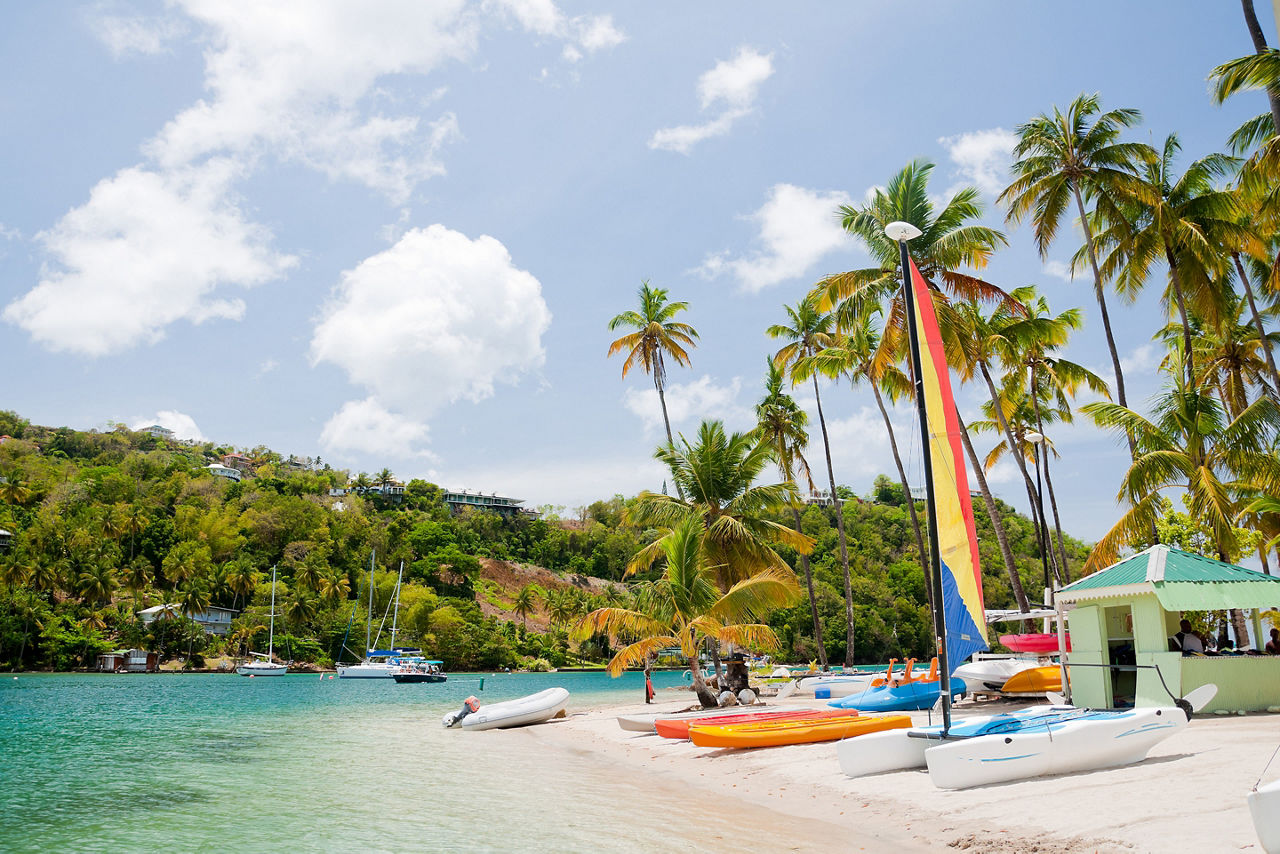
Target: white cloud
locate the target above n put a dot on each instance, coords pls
(582, 33)
(733, 85)
(982, 158)
(148, 249)
(182, 425)
(365, 426)
(435, 319)
(797, 229)
(689, 403)
(1143, 360)
(129, 34)
(1059, 270)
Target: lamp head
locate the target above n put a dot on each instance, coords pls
(900, 231)
(1034, 438)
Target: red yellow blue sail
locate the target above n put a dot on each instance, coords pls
(956, 535)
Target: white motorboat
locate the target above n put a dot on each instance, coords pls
(1264, 806)
(992, 673)
(265, 666)
(522, 711)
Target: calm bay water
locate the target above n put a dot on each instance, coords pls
(206, 762)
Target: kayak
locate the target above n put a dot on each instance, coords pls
(776, 733)
(679, 727)
(1040, 642)
(649, 722)
(898, 698)
(1035, 680)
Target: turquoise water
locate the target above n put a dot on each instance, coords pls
(201, 762)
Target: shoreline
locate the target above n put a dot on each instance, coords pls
(1189, 794)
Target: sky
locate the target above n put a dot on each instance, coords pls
(392, 234)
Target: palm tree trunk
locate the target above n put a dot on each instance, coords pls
(1065, 571)
(1257, 320)
(1008, 434)
(1174, 281)
(1240, 628)
(700, 688)
(813, 603)
(1102, 303)
(1010, 566)
(1041, 535)
(659, 381)
(1260, 46)
(844, 548)
(906, 491)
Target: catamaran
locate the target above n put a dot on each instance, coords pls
(265, 666)
(1032, 742)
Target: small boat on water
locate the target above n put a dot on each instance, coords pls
(678, 728)
(800, 731)
(521, 711)
(1264, 807)
(417, 670)
(264, 666)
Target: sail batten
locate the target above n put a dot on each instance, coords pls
(956, 535)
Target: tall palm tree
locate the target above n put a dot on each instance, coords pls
(1068, 157)
(809, 332)
(98, 583)
(1187, 223)
(780, 424)
(686, 606)
(1190, 444)
(1230, 358)
(334, 587)
(718, 473)
(526, 602)
(656, 334)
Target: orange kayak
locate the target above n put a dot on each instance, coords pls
(774, 733)
(679, 727)
(1035, 680)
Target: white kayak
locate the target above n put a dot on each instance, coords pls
(532, 709)
(1264, 806)
(992, 673)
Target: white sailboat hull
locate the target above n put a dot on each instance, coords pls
(262, 668)
(1084, 744)
(1264, 806)
(878, 752)
(366, 671)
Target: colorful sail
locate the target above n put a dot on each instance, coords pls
(956, 535)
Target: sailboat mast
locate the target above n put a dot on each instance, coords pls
(395, 615)
(935, 558)
(271, 635)
(368, 625)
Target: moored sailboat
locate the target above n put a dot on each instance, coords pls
(265, 666)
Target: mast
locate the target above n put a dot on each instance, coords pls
(368, 625)
(902, 232)
(271, 635)
(396, 613)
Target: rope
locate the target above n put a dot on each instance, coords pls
(1265, 767)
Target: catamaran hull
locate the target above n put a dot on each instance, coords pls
(1082, 744)
(1264, 806)
(878, 752)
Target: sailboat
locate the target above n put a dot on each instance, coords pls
(378, 663)
(1032, 742)
(265, 666)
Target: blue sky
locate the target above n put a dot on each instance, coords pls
(392, 234)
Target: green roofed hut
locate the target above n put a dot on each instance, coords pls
(1126, 616)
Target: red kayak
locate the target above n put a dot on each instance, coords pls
(1034, 643)
(679, 727)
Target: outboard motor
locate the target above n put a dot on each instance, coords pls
(469, 705)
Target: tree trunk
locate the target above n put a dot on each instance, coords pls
(1257, 322)
(1010, 566)
(659, 382)
(1014, 451)
(1260, 46)
(844, 547)
(1041, 534)
(1175, 282)
(1240, 628)
(1100, 294)
(1065, 571)
(1262, 556)
(813, 604)
(700, 688)
(906, 491)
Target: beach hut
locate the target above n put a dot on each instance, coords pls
(1123, 620)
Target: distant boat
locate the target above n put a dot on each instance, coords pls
(416, 670)
(378, 663)
(265, 666)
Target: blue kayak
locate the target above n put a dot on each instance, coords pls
(898, 698)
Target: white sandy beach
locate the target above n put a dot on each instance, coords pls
(1189, 795)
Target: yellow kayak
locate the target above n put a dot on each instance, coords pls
(1035, 680)
(796, 731)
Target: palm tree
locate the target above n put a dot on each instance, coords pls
(526, 602)
(1230, 358)
(334, 587)
(1259, 70)
(98, 583)
(13, 490)
(656, 333)
(780, 424)
(1185, 222)
(384, 477)
(1190, 445)
(560, 606)
(809, 332)
(1067, 157)
(685, 606)
(133, 521)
